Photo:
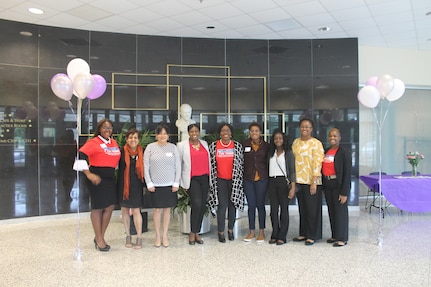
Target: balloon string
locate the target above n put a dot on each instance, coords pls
(78, 252)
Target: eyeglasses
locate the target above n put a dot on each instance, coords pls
(107, 128)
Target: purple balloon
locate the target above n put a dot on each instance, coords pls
(99, 87)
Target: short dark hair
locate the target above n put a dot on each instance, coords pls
(132, 131)
(162, 126)
(308, 120)
(100, 124)
(225, 125)
(254, 124)
(190, 126)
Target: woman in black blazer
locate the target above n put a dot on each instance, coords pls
(336, 173)
(281, 188)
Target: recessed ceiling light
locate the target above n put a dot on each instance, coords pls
(324, 29)
(35, 11)
(26, 33)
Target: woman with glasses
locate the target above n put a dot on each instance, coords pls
(103, 155)
(308, 152)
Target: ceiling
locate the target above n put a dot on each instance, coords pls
(402, 24)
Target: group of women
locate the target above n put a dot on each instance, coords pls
(219, 177)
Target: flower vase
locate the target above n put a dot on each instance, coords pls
(414, 170)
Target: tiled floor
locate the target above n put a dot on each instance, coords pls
(40, 251)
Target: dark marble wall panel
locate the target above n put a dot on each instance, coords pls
(202, 51)
(247, 57)
(58, 46)
(22, 43)
(155, 52)
(113, 52)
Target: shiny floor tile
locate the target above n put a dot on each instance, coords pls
(41, 251)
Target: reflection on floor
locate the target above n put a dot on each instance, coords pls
(39, 251)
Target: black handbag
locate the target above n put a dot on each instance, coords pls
(144, 223)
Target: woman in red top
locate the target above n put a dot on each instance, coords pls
(336, 173)
(195, 170)
(226, 180)
(103, 155)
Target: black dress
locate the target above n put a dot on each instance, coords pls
(136, 186)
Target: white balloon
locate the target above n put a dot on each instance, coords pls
(83, 85)
(369, 96)
(397, 92)
(77, 66)
(384, 85)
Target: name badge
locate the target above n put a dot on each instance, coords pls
(169, 154)
(247, 149)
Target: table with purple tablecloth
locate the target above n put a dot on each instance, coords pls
(408, 193)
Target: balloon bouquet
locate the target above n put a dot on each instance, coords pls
(83, 85)
(375, 91)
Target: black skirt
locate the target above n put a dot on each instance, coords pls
(136, 186)
(104, 194)
(163, 197)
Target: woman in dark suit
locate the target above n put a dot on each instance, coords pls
(336, 171)
(281, 188)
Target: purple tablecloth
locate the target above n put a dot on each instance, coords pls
(407, 193)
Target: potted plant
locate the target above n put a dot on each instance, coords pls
(184, 209)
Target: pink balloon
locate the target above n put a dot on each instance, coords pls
(83, 85)
(397, 92)
(369, 96)
(371, 81)
(62, 86)
(99, 87)
(384, 85)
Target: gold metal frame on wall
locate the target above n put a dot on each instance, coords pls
(227, 75)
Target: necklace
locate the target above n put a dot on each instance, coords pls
(196, 146)
(225, 145)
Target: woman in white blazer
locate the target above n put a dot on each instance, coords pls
(195, 171)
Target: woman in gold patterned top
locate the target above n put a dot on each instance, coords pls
(309, 155)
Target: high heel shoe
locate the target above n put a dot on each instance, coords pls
(230, 235)
(129, 242)
(106, 248)
(198, 239)
(221, 237)
(138, 244)
(192, 238)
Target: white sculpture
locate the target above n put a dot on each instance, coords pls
(184, 121)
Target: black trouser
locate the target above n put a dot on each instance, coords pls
(310, 212)
(224, 188)
(338, 213)
(278, 192)
(198, 192)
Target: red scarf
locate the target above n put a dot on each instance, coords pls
(139, 167)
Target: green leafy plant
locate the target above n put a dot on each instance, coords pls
(184, 202)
